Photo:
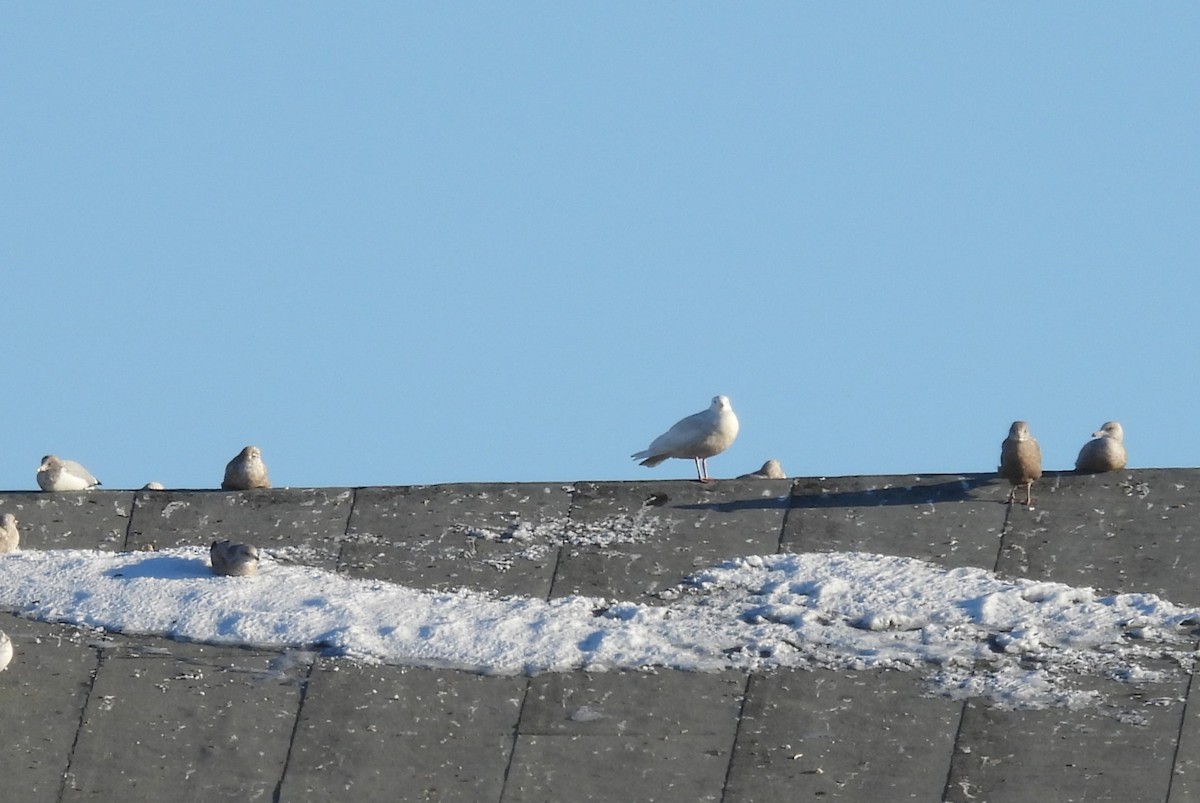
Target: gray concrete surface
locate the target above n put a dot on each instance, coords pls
(89, 715)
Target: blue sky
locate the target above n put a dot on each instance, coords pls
(417, 243)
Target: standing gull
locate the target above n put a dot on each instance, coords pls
(56, 474)
(1020, 460)
(10, 537)
(698, 436)
(1105, 452)
(246, 471)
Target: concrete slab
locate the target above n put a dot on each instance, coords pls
(1123, 531)
(485, 537)
(856, 736)
(42, 694)
(389, 733)
(626, 736)
(70, 519)
(638, 539)
(161, 716)
(676, 769)
(1116, 532)
(951, 520)
(300, 525)
(1185, 776)
(659, 704)
(1122, 752)
(185, 722)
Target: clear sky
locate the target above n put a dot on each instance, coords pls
(397, 243)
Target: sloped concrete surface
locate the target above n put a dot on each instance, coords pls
(88, 715)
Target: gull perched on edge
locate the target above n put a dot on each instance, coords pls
(1105, 452)
(1020, 460)
(698, 436)
(55, 474)
(246, 471)
(10, 536)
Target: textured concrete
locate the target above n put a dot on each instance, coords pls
(841, 736)
(193, 723)
(387, 733)
(305, 525)
(669, 529)
(1122, 754)
(95, 716)
(664, 736)
(71, 519)
(440, 537)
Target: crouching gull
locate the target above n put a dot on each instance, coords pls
(10, 536)
(1105, 452)
(771, 470)
(246, 471)
(56, 474)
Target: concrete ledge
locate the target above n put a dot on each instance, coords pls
(90, 715)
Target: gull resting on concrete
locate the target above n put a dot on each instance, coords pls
(56, 474)
(246, 471)
(1105, 452)
(771, 470)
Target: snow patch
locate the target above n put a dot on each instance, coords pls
(1016, 643)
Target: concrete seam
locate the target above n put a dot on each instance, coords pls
(737, 731)
(287, 760)
(87, 698)
(554, 574)
(1179, 737)
(1005, 529)
(962, 715)
(337, 564)
(512, 752)
(962, 718)
(558, 555)
(786, 513)
(737, 734)
(133, 505)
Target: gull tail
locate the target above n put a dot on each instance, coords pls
(651, 458)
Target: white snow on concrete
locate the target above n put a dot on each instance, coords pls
(1015, 643)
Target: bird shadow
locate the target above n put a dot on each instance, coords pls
(164, 567)
(959, 489)
(812, 495)
(765, 503)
